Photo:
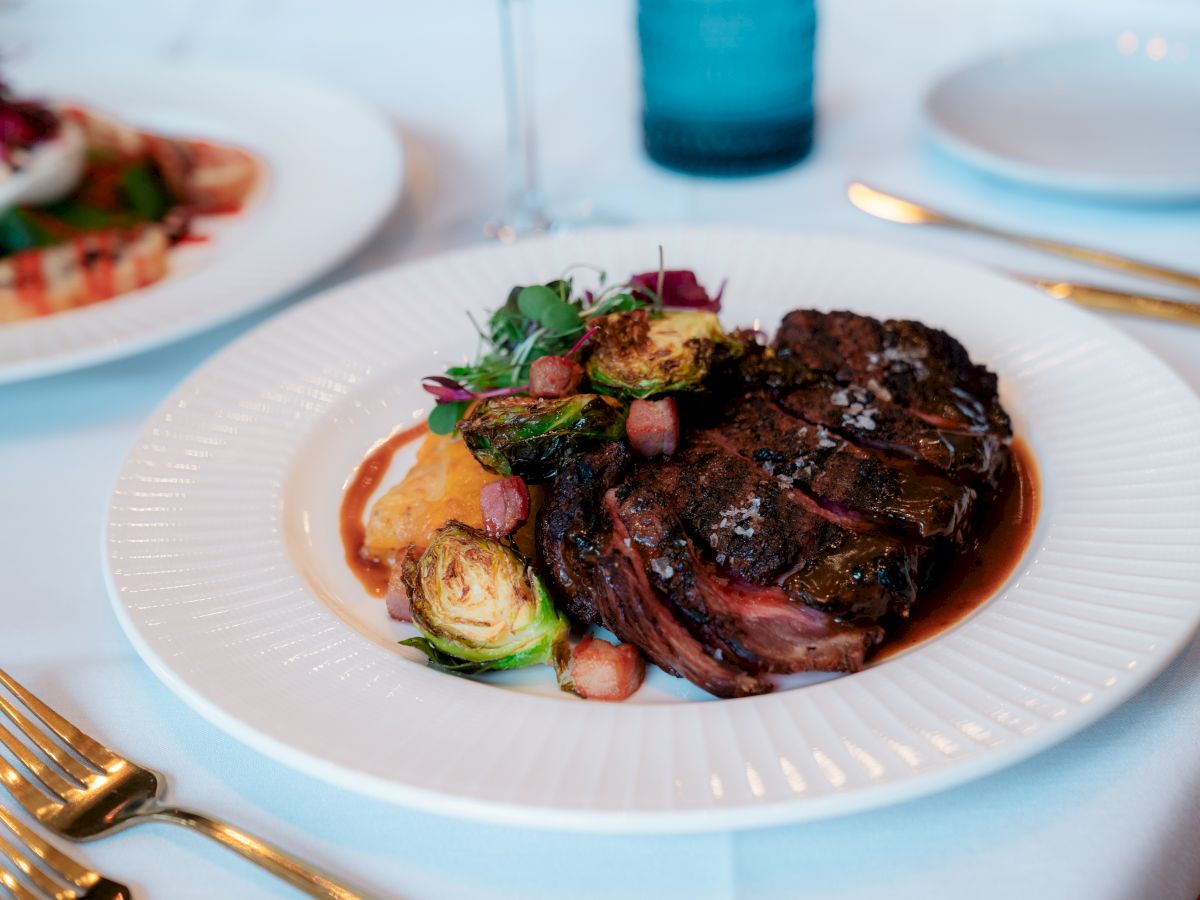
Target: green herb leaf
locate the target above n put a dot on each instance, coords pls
(615, 303)
(534, 300)
(83, 216)
(145, 192)
(19, 232)
(562, 318)
(444, 416)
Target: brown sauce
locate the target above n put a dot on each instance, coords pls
(979, 570)
(373, 573)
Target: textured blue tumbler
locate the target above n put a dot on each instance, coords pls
(728, 84)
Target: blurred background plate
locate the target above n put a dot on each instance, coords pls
(1116, 118)
(334, 168)
(227, 571)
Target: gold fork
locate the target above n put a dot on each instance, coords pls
(101, 792)
(66, 880)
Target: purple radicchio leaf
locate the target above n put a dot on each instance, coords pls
(447, 390)
(680, 290)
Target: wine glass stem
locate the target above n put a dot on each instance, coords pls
(526, 210)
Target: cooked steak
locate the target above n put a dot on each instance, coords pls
(764, 533)
(870, 421)
(815, 493)
(589, 558)
(908, 363)
(854, 483)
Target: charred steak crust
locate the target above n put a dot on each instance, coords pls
(599, 579)
(849, 481)
(911, 364)
(860, 416)
(819, 486)
(572, 529)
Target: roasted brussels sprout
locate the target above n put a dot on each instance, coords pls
(535, 437)
(480, 606)
(638, 355)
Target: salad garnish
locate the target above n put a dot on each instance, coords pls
(551, 319)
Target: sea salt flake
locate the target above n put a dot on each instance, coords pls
(907, 357)
(662, 568)
(738, 514)
(864, 420)
(879, 390)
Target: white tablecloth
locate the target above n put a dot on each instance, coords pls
(1112, 813)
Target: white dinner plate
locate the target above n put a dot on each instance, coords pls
(1116, 118)
(333, 171)
(226, 570)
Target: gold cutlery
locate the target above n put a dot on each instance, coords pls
(1094, 297)
(896, 209)
(52, 873)
(107, 792)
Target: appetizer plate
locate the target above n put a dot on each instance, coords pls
(226, 570)
(1116, 118)
(333, 170)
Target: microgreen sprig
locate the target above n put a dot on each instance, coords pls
(549, 319)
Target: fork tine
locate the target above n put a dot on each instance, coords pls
(15, 887)
(36, 876)
(73, 767)
(36, 803)
(62, 865)
(54, 782)
(91, 750)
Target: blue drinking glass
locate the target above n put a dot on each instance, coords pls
(728, 84)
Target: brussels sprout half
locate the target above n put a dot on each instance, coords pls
(479, 605)
(638, 355)
(535, 437)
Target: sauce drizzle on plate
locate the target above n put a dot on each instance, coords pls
(373, 573)
(979, 569)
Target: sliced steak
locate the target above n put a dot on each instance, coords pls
(759, 628)
(847, 480)
(600, 580)
(572, 528)
(918, 367)
(769, 535)
(860, 416)
(632, 610)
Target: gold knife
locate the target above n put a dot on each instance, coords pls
(1094, 297)
(896, 209)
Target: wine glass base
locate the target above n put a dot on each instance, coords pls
(570, 215)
